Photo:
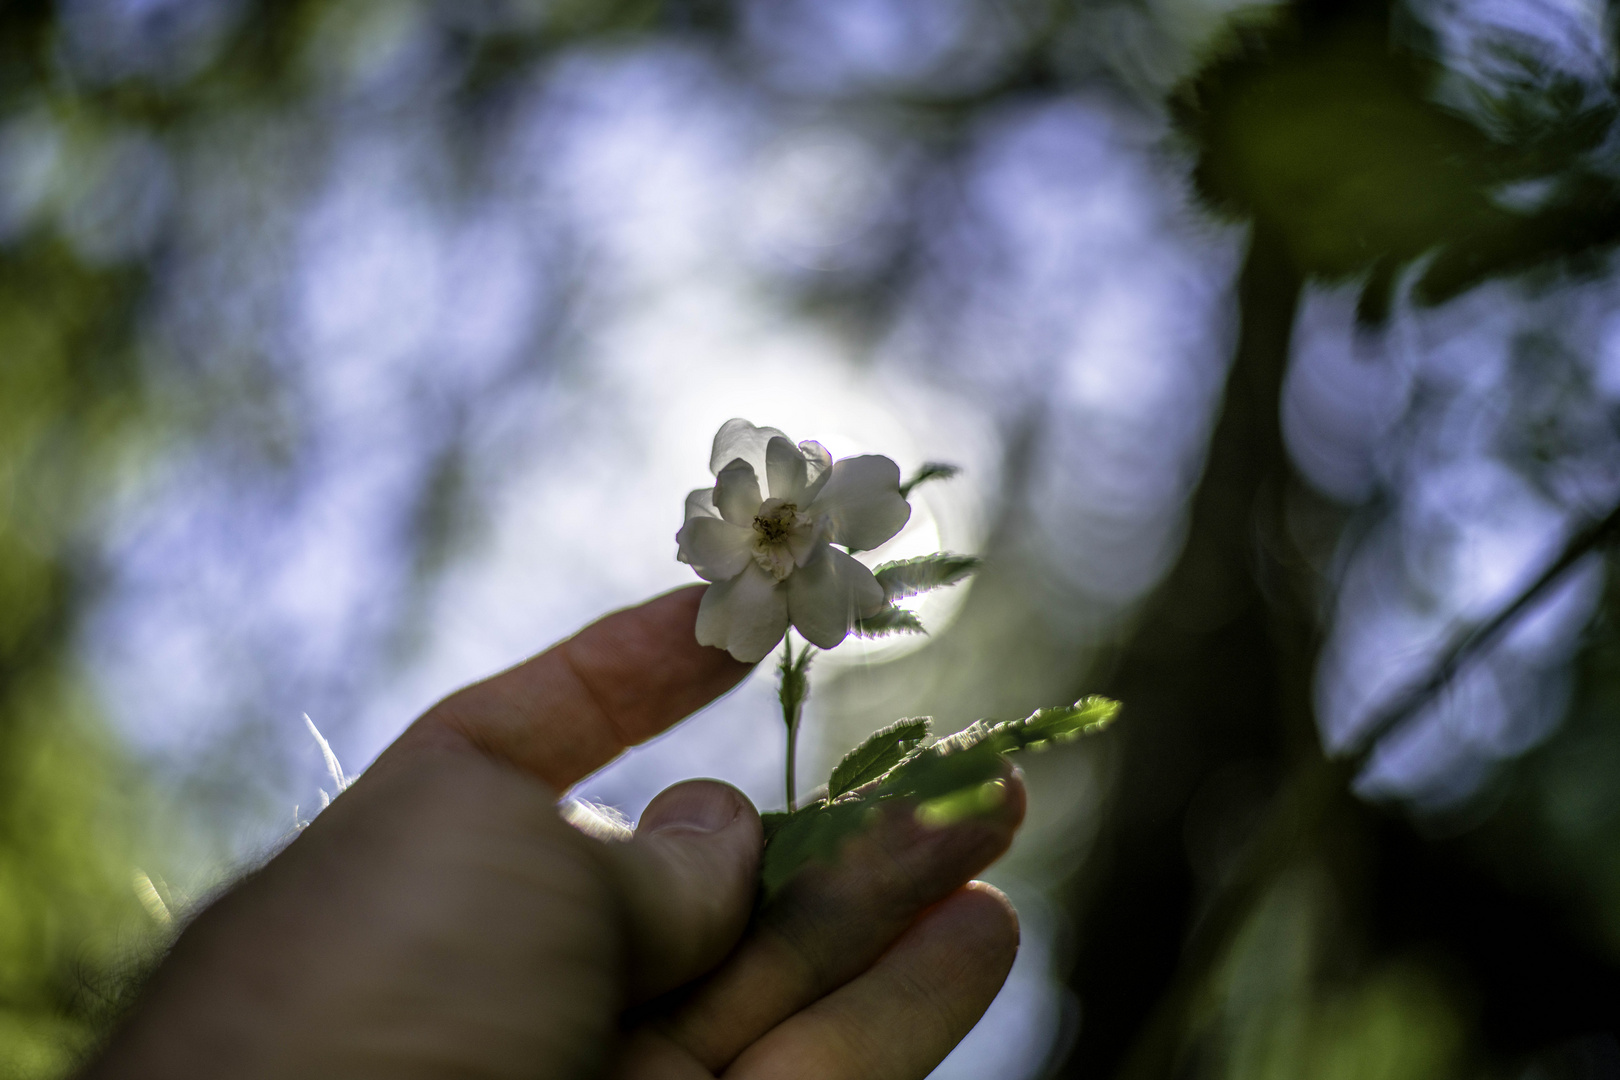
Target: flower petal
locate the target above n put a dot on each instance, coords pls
(736, 494)
(818, 468)
(862, 502)
(826, 596)
(746, 616)
(716, 549)
(740, 439)
(785, 469)
(805, 542)
(700, 503)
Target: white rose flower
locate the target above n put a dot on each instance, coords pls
(771, 560)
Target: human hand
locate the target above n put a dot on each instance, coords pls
(441, 920)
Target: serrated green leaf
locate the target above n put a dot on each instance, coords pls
(1084, 717)
(908, 577)
(966, 739)
(882, 751)
(935, 774)
(1038, 730)
(930, 470)
(889, 620)
(814, 833)
(946, 781)
(973, 755)
(1056, 724)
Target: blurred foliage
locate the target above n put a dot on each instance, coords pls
(1327, 128)
(71, 809)
(1283, 1004)
(1329, 139)
(73, 936)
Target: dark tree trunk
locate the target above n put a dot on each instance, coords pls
(1216, 683)
(1214, 680)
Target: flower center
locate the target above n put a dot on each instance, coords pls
(778, 528)
(774, 524)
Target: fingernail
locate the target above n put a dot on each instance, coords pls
(698, 806)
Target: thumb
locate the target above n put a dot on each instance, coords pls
(687, 878)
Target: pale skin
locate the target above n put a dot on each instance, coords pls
(441, 920)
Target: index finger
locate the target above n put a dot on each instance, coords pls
(570, 710)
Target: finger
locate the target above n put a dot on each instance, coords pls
(831, 923)
(901, 1018)
(687, 882)
(650, 1055)
(570, 710)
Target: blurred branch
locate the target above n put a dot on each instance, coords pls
(1303, 806)
(1471, 641)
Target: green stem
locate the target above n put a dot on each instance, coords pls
(790, 716)
(793, 741)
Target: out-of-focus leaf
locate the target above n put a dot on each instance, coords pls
(773, 820)
(813, 833)
(1330, 140)
(930, 470)
(881, 752)
(961, 805)
(889, 620)
(934, 774)
(908, 577)
(1336, 144)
